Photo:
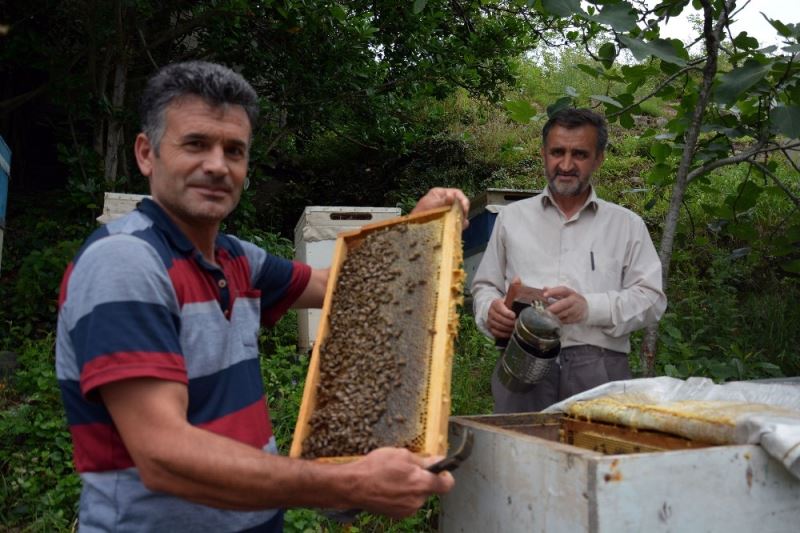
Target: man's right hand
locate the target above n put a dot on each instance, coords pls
(500, 320)
(394, 482)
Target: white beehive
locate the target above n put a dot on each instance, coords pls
(314, 241)
(543, 472)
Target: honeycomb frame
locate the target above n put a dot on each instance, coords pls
(449, 294)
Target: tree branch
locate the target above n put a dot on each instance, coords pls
(691, 66)
(6, 106)
(741, 157)
(763, 168)
(146, 48)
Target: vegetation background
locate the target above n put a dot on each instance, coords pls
(371, 103)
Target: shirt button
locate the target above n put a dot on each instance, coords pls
(222, 283)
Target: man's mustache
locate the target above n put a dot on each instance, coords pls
(211, 182)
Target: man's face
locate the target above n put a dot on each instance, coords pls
(199, 173)
(570, 157)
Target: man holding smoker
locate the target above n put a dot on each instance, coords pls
(594, 260)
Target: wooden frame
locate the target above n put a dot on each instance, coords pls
(449, 295)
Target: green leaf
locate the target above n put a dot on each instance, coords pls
(606, 99)
(558, 105)
(338, 12)
(660, 48)
(743, 231)
(520, 111)
(786, 120)
(778, 25)
(607, 54)
(591, 71)
(419, 5)
(660, 151)
(571, 91)
(748, 195)
(660, 174)
(621, 17)
(626, 121)
(737, 81)
(745, 41)
(563, 8)
(672, 331)
(792, 266)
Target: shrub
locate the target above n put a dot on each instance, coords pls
(39, 485)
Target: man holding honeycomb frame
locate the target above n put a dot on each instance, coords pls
(157, 354)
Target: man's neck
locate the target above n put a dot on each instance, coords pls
(570, 205)
(203, 237)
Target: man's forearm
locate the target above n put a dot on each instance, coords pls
(213, 470)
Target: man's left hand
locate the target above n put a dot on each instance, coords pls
(570, 307)
(440, 197)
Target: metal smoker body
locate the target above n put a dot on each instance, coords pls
(533, 347)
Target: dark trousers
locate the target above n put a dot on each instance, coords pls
(580, 368)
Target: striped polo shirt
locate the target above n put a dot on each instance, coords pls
(137, 301)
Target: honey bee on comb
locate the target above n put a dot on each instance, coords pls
(373, 370)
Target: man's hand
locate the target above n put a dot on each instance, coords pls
(394, 482)
(440, 197)
(570, 307)
(500, 319)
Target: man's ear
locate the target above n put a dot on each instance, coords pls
(145, 154)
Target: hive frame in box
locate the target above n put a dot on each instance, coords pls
(451, 278)
(520, 477)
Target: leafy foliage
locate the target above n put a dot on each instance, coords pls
(39, 485)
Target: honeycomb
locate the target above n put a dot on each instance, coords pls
(372, 381)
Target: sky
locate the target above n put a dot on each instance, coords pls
(749, 20)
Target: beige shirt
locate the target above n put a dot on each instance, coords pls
(603, 252)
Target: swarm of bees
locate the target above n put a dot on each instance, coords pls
(374, 361)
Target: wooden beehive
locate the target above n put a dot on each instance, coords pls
(380, 370)
(547, 472)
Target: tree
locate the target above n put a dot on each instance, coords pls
(351, 70)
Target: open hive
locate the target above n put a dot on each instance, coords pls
(380, 370)
(552, 472)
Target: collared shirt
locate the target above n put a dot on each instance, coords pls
(604, 252)
(139, 300)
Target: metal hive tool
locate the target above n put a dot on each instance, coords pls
(380, 371)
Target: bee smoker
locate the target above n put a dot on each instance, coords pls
(533, 347)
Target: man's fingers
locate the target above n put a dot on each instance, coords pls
(557, 292)
(570, 309)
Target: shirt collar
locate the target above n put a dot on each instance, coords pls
(592, 200)
(164, 223)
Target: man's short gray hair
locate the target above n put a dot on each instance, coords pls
(216, 84)
(571, 118)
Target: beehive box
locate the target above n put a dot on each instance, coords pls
(314, 243)
(546, 472)
(118, 204)
(380, 370)
(5, 172)
(482, 214)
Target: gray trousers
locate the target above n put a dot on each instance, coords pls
(581, 368)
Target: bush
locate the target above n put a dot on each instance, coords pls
(39, 485)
